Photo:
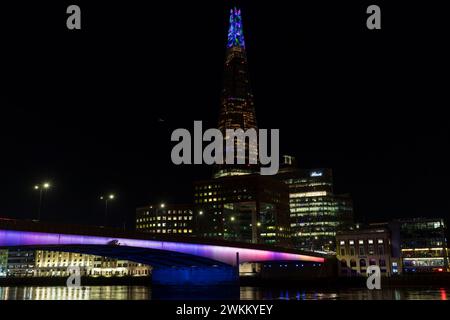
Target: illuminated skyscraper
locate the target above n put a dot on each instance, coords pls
(237, 105)
(316, 212)
(237, 205)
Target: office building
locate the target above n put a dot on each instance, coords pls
(3, 262)
(55, 264)
(361, 248)
(21, 263)
(247, 208)
(316, 213)
(107, 267)
(424, 245)
(42, 263)
(174, 219)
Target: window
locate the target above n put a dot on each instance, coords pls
(361, 250)
(381, 250)
(382, 263)
(372, 262)
(353, 263)
(352, 251)
(342, 251)
(362, 263)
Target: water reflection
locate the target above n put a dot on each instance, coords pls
(83, 293)
(203, 293)
(249, 293)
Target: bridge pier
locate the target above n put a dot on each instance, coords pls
(195, 276)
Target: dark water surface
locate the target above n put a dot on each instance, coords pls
(242, 293)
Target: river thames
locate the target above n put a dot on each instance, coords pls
(242, 293)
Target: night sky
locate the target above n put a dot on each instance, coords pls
(92, 110)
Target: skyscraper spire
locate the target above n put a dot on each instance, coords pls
(235, 32)
(237, 106)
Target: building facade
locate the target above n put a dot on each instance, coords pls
(316, 213)
(3, 262)
(359, 249)
(424, 245)
(55, 264)
(21, 263)
(247, 208)
(107, 267)
(41, 263)
(163, 218)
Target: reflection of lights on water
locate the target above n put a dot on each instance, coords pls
(246, 293)
(443, 294)
(61, 293)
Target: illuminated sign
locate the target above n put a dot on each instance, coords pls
(316, 174)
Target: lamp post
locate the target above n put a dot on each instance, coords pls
(42, 188)
(106, 199)
(198, 220)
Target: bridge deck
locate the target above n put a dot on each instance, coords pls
(32, 233)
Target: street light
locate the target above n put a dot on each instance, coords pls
(43, 187)
(107, 198)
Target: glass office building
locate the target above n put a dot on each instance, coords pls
(248, 208)
(316, 213)
(424, 245)
(237, 105)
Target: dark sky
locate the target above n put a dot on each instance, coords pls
(81, 108)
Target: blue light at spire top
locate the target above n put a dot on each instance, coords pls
(235, 33)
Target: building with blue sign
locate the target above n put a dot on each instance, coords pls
(316, 213)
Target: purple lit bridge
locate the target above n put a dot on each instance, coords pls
(175, 260)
